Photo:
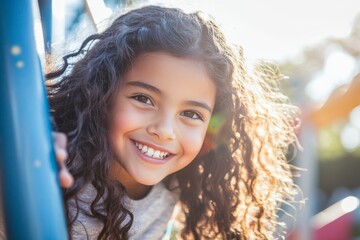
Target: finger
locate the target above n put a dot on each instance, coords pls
(60, 139)
(61, 154)
(66, 179)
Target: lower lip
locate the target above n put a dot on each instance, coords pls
(150, 159)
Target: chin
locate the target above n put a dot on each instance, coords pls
(149, 181)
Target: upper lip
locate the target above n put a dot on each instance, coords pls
(155, 147)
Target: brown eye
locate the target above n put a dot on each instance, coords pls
(191, 114)
(143, 99)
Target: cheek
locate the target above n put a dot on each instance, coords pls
(124, 120)
(192, 142)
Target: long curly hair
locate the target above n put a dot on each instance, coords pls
(234, 188)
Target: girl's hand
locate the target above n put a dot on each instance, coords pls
(60, 141)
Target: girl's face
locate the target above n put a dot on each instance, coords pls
(160, 117)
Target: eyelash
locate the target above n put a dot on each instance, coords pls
(142, 98)
(138, 97)
(199, 117)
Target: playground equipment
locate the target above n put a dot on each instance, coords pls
(32, 203)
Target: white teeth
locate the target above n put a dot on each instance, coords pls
(148, 151)
(156, 154)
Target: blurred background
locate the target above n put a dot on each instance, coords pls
(316, 44)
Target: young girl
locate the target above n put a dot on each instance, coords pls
(159, 110)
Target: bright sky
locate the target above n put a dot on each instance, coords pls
(277, 29)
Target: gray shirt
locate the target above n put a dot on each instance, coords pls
(151, 214)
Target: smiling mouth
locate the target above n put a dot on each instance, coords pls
(151, 152)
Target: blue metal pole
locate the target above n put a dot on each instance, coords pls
(32, 202)
(45, 7)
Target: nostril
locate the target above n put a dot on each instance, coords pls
(162, 132)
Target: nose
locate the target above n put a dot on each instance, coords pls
(162, 127)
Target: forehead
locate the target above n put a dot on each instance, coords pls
(162, 62)
(184, 76)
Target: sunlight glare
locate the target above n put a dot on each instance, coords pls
(350, 137)
(355, 117)
(338, 69)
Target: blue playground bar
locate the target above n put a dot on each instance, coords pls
(31, 196)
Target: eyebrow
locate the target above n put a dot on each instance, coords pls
(199, 104)
(145, 85)
(156, 90)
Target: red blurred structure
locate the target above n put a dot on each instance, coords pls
(339, 229)
(334, 223)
